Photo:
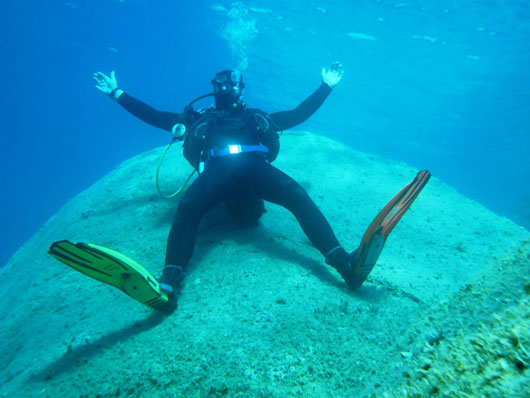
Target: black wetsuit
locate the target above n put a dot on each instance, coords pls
(242, 181)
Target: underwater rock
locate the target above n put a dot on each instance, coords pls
(261, 314)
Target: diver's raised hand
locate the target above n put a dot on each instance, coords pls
(107, 85)
(332, 75)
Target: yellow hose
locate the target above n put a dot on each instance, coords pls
(158, 172)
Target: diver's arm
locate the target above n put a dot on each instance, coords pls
(330, 78)
(148, 114)
(165, 120)
(286, 119)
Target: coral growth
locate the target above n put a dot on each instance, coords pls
(491, 359)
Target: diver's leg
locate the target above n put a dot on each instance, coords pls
(209, 189)
(277, 187)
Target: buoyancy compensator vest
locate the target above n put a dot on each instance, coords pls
(257, 126)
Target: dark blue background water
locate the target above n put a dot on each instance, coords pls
(442, 85)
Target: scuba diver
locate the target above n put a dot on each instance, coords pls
(232, 147)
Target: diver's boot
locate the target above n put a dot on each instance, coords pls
(169, 283)
(346, 264)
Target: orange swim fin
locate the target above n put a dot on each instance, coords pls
(373, 241)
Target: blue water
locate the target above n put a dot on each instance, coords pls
(442, 85)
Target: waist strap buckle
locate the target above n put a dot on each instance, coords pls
(229, 150)
(233, 149)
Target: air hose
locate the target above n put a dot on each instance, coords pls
(160, 165)
(178, 131)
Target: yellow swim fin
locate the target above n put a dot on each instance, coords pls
(113, 268)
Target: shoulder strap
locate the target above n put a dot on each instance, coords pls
(260, 120)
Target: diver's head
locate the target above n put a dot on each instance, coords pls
(227, 86)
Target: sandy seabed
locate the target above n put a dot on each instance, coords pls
(444, 314)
